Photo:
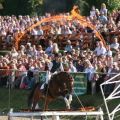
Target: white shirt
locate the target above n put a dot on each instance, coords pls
(100, 51)
(114, 45)
(49, 50)
(90, 70)
(34, 32)
(73, 69)
(92, 13)
(40, 32)
(108, 53)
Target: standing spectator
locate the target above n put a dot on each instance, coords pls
(112, 71)
(90, 70)
(12, 76)
(103, 9)
(93, 11)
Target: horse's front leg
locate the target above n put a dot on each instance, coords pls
(70, 98)
(47, 101)
(67, 103)
(35, 104)
(35, 101)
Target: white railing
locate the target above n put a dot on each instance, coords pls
(55, 114)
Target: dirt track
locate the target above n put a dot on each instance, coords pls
(3, 118)
(15, 118)
(18, 118)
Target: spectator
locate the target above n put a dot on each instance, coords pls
(93, 11)
(103, 9)
(68, 47)
(72, 68)
(55, 48)
(49, 49)
(103, 19)
(115, 45)
(100, 49)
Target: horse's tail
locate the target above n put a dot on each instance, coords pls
(30, 97)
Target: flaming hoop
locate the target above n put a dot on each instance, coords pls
(74, 15)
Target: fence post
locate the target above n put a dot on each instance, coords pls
(9, 116)
(55, 117)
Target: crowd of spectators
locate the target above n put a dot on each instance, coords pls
(98, 61)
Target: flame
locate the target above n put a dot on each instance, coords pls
(74, 15)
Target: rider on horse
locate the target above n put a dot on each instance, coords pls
(51, 70)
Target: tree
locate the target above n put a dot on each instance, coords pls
(113, 5)
(36, 6)
(21, 7)
(82, 4)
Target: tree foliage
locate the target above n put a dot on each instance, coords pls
(113, 5)
(83, 6)
(36, 6)
(33, 7)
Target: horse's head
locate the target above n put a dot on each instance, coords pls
(66, 79)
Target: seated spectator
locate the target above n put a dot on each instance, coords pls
(39, 31)
(55, 48)
(68, 47)
(103, 19)
(39, 51)
(100, 49)
(14, 53)
(49, 49)
(72, 68)
(68, 31)
(79, 66)
(28, 49)
(114, 45)
(108, 51)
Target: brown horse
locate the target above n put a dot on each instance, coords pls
(60, 84)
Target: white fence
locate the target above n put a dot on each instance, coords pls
(55, 114)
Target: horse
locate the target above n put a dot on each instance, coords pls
(60, 84)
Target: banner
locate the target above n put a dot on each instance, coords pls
(80, 83)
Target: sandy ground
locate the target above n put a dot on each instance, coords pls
(20, 118)
(15, 118)
(3, 118)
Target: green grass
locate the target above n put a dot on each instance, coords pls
(17, 99)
